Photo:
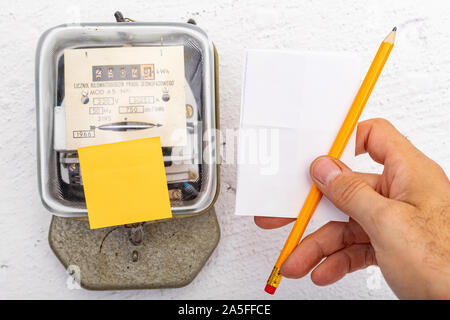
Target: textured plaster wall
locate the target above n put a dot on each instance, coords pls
(414, 93)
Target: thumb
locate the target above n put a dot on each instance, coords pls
(347, 190)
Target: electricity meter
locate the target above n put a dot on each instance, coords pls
(110, 82)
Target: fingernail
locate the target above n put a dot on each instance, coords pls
(325, 170)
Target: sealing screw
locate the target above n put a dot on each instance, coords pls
(134, 256)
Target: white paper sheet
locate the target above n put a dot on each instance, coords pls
(293, 104)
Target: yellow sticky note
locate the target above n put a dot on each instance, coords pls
(124, 182)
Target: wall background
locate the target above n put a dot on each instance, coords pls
(413, 94)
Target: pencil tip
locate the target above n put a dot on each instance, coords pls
(395, 29)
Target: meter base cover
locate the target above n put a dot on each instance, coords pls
(165, 255)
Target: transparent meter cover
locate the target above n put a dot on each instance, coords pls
(115, 54)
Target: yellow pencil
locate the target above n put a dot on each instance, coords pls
(336, 150)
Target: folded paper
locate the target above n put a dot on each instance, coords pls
(293, 104)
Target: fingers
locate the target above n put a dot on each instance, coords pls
(410, 175)
(381, 140)
(329, 239)
(372, 179)
(336, 266)
(348, 191)
(271, 223)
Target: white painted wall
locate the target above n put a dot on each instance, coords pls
(413, 93)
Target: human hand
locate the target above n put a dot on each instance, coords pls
(399, 220)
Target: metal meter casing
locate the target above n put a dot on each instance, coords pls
(202, 82)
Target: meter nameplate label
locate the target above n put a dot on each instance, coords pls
(119, 94)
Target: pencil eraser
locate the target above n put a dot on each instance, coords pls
(269, 289)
